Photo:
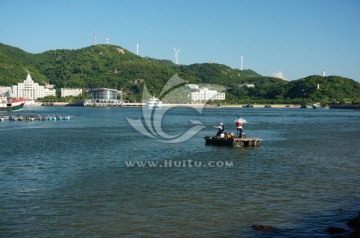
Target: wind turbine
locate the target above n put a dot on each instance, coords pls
(241, 62)
(137, 48)
(176, 56)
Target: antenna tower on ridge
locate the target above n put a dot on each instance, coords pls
(94, 38)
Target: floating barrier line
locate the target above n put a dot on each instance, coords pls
(35, 118)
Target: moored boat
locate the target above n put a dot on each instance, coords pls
(12, 104)
(154, 102)
(248, 106)
(304, 105)
(316, 105)
(344, 106)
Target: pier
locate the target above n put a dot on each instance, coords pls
(93, 103)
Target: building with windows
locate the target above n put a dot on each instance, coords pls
(65, 92)
(205, 94)
(31, 90)
(49, 90)
(103, 97)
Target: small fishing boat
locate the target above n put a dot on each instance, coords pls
(304, 105)
(223, 138)
(316, 105)
(11, 104)
(248, 106)
(229, 139)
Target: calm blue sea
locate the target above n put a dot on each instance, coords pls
(72, 179)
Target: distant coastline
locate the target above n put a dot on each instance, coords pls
(185, 105)
(199, 105)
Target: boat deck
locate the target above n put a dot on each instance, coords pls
(236, 142)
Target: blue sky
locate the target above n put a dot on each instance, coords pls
(295, 38)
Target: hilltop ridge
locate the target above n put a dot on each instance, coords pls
(115, 67)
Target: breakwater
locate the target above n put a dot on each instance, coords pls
(34, 118)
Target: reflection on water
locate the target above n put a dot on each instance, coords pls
(70, 178)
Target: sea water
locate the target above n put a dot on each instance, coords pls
(73, 178)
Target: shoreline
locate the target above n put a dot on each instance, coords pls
(80, 104)
(263, 105)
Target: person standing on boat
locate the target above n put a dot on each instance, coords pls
(221, 128)
(239, 128)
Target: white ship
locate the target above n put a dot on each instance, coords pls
(154, 102)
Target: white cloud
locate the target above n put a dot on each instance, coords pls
(279, 75)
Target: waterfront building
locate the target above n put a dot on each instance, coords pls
(104, 94)
(31, 90)
(103, 97)
(65, 92)
(205, 94)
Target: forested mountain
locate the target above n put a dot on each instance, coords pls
(115, 67)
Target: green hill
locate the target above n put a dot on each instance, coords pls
(115, 67)
(14, 64)
(324, 89)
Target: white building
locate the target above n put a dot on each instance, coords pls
(5, 90)
(248, 85)
(206, 94)
(71, 92)
(31, 90)
(49, 92)
(193, 86)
